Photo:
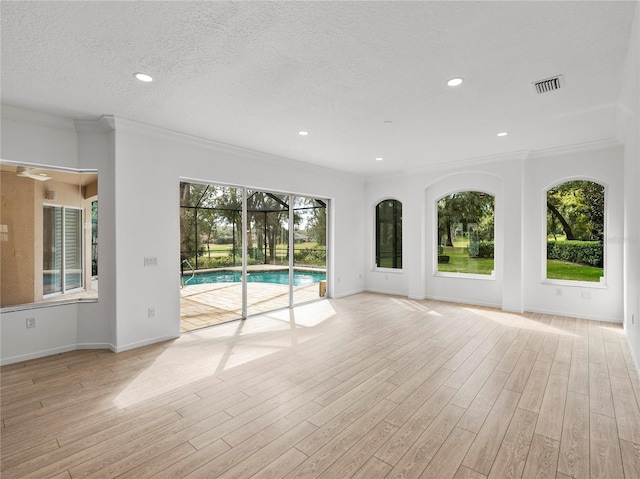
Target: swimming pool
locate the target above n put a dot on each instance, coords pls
(300, 278)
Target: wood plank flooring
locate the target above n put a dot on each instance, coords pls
(369, 386)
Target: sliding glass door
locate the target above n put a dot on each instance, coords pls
(267, 251)
(52, 250)
(237, 252)
(62, 249)
(73, 248)
(309, 249)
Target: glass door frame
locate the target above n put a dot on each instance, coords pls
(63, 267)
(291, 243)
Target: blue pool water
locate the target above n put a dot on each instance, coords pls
(300, 278)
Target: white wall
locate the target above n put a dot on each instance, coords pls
(419, 191)
(476, 289)
(96, 150)
(628, 131)
(518, 183)
(388, 280)
(601, 162)
(149, 166)
(56, 331)
(139, 170)
(34, 137)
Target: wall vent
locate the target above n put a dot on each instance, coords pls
(549, 84)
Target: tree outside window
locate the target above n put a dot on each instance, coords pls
(575, 231)
(466, 232)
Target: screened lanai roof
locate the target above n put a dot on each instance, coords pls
(229, 198)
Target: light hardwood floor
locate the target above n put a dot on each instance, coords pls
(369, 386)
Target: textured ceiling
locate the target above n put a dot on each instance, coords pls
(252, 74)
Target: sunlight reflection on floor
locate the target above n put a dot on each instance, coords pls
(203, 354)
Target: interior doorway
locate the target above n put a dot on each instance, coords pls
(245, 252)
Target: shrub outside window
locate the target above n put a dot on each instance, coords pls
(465, 233)
(575, 231)
(389, 234)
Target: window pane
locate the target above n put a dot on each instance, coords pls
(389, 234)
(575, 231)
(94, 239)
(465, 233)
(267, 251)
(52, 250)
(72, 248)
(310, 249)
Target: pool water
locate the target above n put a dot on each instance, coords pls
(300, 278)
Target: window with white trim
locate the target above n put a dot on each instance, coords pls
(575, 236)
(466, 233)
(62, 264)
(389, 234)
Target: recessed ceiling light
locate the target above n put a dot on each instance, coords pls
(503, 133)
(379, 158)
(455, 82)
(303, 133)
(143, 77)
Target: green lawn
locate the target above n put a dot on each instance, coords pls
(221, 250)
(459, 262)
(217, 250)
(557, 269)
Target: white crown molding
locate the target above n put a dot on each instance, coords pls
(65, 169)
(24, 115)
(577, 148)
(385, 177)
(521, 155)
(131, 126)
(104, 124)
(471, 162)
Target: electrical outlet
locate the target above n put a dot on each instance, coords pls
(633, 319)
(586, 295)
(151, 312)
(558, 292)
(151, 261)
(31, 322)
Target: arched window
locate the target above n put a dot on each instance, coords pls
(389, 234)
(575, 231)
(465, 233)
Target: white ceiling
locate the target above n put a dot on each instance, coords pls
(253, 74)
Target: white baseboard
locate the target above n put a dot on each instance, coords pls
(74, 347)
(464, 301)
(574, 315)
(381, 291)
(37, 354)
(146, 342)
(513, 310)
(347, 293)
(96, 346)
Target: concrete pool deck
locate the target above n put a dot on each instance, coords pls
(203, 305)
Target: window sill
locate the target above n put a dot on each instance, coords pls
(375, 269)
(575, 284)
(45, 304)
(482, 277)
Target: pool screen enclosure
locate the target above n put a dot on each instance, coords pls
(281, 232)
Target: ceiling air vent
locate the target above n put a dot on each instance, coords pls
(549, 84)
